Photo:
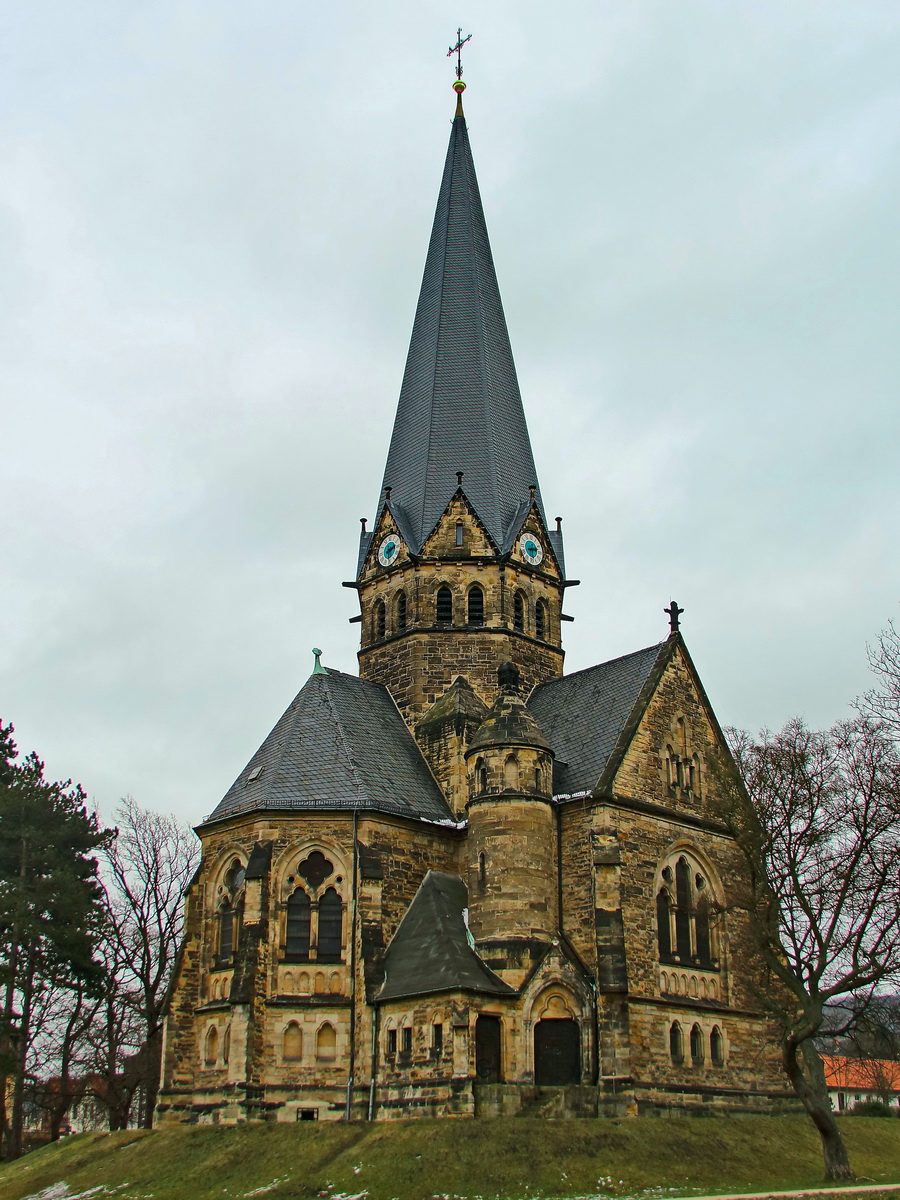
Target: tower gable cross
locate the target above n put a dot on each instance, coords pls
(673, 612)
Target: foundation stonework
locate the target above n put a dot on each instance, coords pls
(463, 883)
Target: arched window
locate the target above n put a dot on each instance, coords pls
(540, 620)
(459, 533)
(482, 870)
(226, 1045)
(211, 1047)
(292, 1043)
(298, 924)
(538, 778)
(444, 606)
(481, 775)
(716, 1047)
(683, 908)
(511, 773)
(331, 927)
(401, 610)
(664, 925)
(326, 1043)
(476, 606)
(226, 932)
(379, 620)
(235, 876)
(519, 612)
(676, 1043)
(697, 1046)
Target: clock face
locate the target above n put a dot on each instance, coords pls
(389, 550)
(531, 549)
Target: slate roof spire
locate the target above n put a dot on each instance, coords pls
(459, 406)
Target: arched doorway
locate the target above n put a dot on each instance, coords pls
(488, 1064)
(557, 1052)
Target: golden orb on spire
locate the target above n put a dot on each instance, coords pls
(459, 87)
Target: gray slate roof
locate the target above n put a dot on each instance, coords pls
(459, 408)
(342, 744)
(430, 951)
(587, 715)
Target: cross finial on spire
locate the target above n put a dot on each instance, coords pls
(673, 612)
(457, 50)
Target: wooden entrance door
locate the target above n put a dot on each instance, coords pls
(557, 1052)
(487, 1050)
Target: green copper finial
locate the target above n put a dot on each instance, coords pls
(318, 669)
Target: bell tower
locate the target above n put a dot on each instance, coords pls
(461, 571)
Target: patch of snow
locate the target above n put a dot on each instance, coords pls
(267, 1187)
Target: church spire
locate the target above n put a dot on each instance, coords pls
(460, 408)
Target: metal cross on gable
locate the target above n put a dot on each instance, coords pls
(457, 50)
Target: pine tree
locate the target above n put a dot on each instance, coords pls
(50, 908)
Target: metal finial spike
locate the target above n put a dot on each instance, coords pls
(457, 50)
(318, 669)
(459, 475)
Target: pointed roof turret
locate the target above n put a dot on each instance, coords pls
(459, 408)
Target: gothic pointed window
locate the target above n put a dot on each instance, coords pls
(292, 1043)
(298, 926)
(226, 933)
(540, 620)
(444, 606)
(401, 610)
(476, 606)
(664, 925)
(459, 533)
(519, 612)
(683, 947)
(326, 1043)
(379, 620)
(701, 925)
(211, 1047)
(676, 1043)
(331, 927)
(716, 1047)
(226, 1046)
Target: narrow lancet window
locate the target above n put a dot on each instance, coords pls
(331, 922)
(379, 620)
(401, 610)
(540, 620)
(519, 613)
(298, 924)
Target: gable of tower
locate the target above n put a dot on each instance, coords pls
(459, 533)
(528, 531)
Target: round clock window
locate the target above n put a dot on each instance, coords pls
(389, 550)
(531, 549)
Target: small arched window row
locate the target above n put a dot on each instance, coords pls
(697, 1045)
(541, 616)
(685, 926)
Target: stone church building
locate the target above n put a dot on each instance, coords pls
(463, 882)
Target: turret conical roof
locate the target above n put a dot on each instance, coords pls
(459, 408)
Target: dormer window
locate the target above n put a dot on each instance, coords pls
(459, 533)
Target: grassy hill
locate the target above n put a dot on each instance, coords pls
(516, 1159)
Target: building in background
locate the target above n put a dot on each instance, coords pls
(465, 882)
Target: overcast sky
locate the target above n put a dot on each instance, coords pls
(213, 222)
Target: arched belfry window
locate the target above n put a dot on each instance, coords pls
(379, 620)
(540, 620)
(685, 912)
(401, 610)
(519, 612)
(444, 606)
(475, 615)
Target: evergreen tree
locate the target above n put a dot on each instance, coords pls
(50, 909)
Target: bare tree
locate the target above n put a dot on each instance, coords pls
(147, 867)
(821, 841)
(882, 702)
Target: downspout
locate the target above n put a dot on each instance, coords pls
(376, 1014)
(353, 907)
(595, 982)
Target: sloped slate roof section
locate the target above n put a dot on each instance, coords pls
(585, 714)
(459, 408)
(342, 745)
(430, 951)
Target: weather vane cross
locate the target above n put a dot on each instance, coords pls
(457, 50)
